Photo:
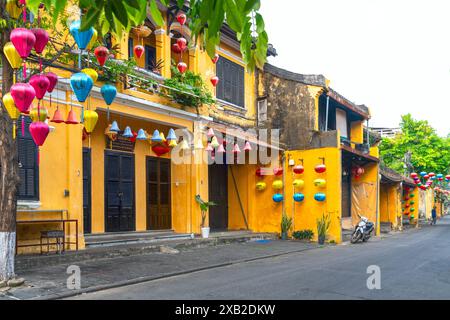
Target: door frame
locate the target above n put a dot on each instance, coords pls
(147, 212)
(88, 152)
(105, 185)
(226, 169)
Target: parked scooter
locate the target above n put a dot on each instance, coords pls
(363, 231)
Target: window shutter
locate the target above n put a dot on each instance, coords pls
(231, 87)
(28, 168)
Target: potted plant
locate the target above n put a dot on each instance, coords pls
(303, 235)
(204, 208)
(286, 224)
(323, 224)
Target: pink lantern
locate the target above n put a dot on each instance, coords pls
(39, 132)
(209, 148)
(23, 40)
(181, 18)
(182, 43)
(41, 40)
(236, 149)
(182, 67)
(210, 133)
(23, 95)
(247, 147)
(53, 78)
(40, 83)
(221, 149)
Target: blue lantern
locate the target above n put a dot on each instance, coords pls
(109, 93)
(127, 133)
(423, 174)
(82, 38)
(82, 85)
(156, 136)
(320, 197)
(114, 127)
(171, 135)
(141, 135)
(278, 198)
(299, 197)
(440, 176)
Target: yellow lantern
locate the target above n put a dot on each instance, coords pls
(91, 73)
(173, 143)
(8, 101)
(90, 120)
(12, 55)
(277, 184)
(261, 186)
(93, 40)
(163, 137)
(43, 114)
(13, 9)
(299, 183)
(321, 183)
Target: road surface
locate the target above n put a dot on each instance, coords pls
(413, 265)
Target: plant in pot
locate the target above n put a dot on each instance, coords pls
(286, 224)
(204, 208)
(323, 224)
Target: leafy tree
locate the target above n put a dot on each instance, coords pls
(429, 152)
(206, 20)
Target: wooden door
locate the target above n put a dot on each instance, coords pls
(159, 214)
(218, 193)
(87, 215)
(119, 192)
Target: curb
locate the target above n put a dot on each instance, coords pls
(164, 276)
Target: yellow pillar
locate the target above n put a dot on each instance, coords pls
(163, 50)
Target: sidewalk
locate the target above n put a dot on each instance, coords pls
(50, 282)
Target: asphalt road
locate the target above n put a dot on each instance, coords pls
(413, 265)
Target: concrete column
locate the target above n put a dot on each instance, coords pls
(163, 50)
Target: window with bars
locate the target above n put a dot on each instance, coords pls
(231, 87)
(28, 166)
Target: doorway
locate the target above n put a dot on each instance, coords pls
(218, 193)
(87, 213)
(159, 213)
(119, 192)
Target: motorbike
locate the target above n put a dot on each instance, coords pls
(363, 231)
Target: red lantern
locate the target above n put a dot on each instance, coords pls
(176, 48)
(40, 83)
(181, 18)
(260, 172)
(321, 168)
(215, 59)
(139, 51)
(134, 136)
(182, 67)
(41, 40)
(39, 132)
(53, 78)
(278, 171)
(57, 117)
(414, 175)
(215, 81)
(23, 95)
(182, 43)
(101, 53)
(161, 149)
(299, 169)
(72, 118)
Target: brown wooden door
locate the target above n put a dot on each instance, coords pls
(159, 215)
(218, 193)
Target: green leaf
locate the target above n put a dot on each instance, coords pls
(156, 14)
(233, 15)
(252, 5)
(120, 12)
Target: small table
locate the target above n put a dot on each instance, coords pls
(63, 221)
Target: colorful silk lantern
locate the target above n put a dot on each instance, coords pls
(82, 38)
(320, 197)
(173, 143)
(160, 149)
(299, 197)
(90, 120)
(10, 106)
(182, 67)
(101, 53)
(81, 85)
(278, 171)
(215, 59)
(321, 168)
(57, 117)
(176, 49)
(184, 146)
(182, 43)
(109, 93)
(39, 132)
(13, 9)
(93, 40)
(156, 137)
(41, 39)
(12, 55)
(53, 78)
(181, 18)
(209, 148)
(277, 185)
(23, 95)
(261, 186)
(214, 142)
(236, 149)
(139, 51)
(423, 173)
(23, 40)
(171, 135)
(247, 147)
(215, 81)
(277, 198)
(221, 149)
(114, 127)
(414, 175)
(299, 169)
(298, 183)
(210, 133)
(37, 115)
(142, 136)
(127, 133)
(91, 73)
(72, 118)
(320, 183)
(260, 172)
(40, 83)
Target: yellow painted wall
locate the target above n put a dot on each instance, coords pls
(390, 204)
(357, 132)
(306, 213)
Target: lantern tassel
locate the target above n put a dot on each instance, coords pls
(23, 126)
(14, 130)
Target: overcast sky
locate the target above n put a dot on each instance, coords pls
(391, 55)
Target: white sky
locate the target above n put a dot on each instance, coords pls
(391, 55)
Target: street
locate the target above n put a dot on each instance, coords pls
(414, 265)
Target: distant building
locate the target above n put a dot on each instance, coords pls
(387, 132)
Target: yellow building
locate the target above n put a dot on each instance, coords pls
(104, 183)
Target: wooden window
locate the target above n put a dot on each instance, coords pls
(231, 87)
(28, 166)
(150, 57)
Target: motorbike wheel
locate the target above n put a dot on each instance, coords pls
(355, 237)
